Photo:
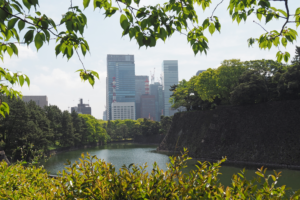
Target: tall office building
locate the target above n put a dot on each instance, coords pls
(122, 69)
(123, 110)
(160, 102)
(104, 116)
(170, 77)
(39, 100)
(148, 107)
(155, 90)
(139, 91)
(82, 108)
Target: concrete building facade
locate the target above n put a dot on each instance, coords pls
(39, 100)
(123, 110)
(122, 68)
(139, 91)
(82, 108)
(169, 78)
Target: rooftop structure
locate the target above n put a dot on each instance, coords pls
(82, 108)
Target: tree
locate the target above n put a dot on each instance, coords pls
(296, 58)
(252, 89)
(289, 83)
(67, 138)
(40, 28)
(146, 24)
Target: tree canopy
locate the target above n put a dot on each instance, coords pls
(145, 24)
(238, 83)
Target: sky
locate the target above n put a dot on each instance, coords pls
(55, 76)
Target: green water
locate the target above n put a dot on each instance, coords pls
(126, 153)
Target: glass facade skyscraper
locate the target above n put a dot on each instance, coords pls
(122, 67)
(139, 91)
(169, 78)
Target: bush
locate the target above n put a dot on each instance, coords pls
(92, 178)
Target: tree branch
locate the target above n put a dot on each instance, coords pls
(215, 9)
(288, 16)
(260, 26)
(79, 58)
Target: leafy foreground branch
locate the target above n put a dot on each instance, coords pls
(92, 178)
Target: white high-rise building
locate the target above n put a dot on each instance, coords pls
(123, 110)
(169, 78)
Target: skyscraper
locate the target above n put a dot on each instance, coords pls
(156, 89)
(122, 68)
(148, 107)
(139, 91)
(170, 77)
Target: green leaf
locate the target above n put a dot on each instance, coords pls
(282, 12)
(14, 48)
(29, 36)
(269, 17)
(38, 13)
(21, 80)
(38, 40)
(205, 23)
(86, 3)
(286, 56)
(27, 4)
(91, 80)
(144, 24)
(21, 25)
(10, 51)
(279, 56)
(212, 28)
(124, 22)
(284, 41)
(11, 23)
(83, 49)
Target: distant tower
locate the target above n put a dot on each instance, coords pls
(152, 76)
(114, 90)
(147, 87)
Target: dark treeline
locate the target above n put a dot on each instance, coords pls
(122, 129)
(29, 125)
(239, 83)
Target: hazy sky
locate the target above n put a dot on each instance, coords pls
(56, 77)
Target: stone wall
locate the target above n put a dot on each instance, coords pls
(262, 133)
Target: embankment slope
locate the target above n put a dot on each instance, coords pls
(262, 133)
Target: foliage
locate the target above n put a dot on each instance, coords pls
(30, 128)
(146, 24)
(15, 16)
(92, 178)
(296, 59)
(128, 128)
(238, 83)
(96, 133)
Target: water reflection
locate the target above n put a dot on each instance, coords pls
(126, 153)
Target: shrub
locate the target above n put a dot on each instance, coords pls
(91, 178)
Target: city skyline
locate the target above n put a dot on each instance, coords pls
(55, 76)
